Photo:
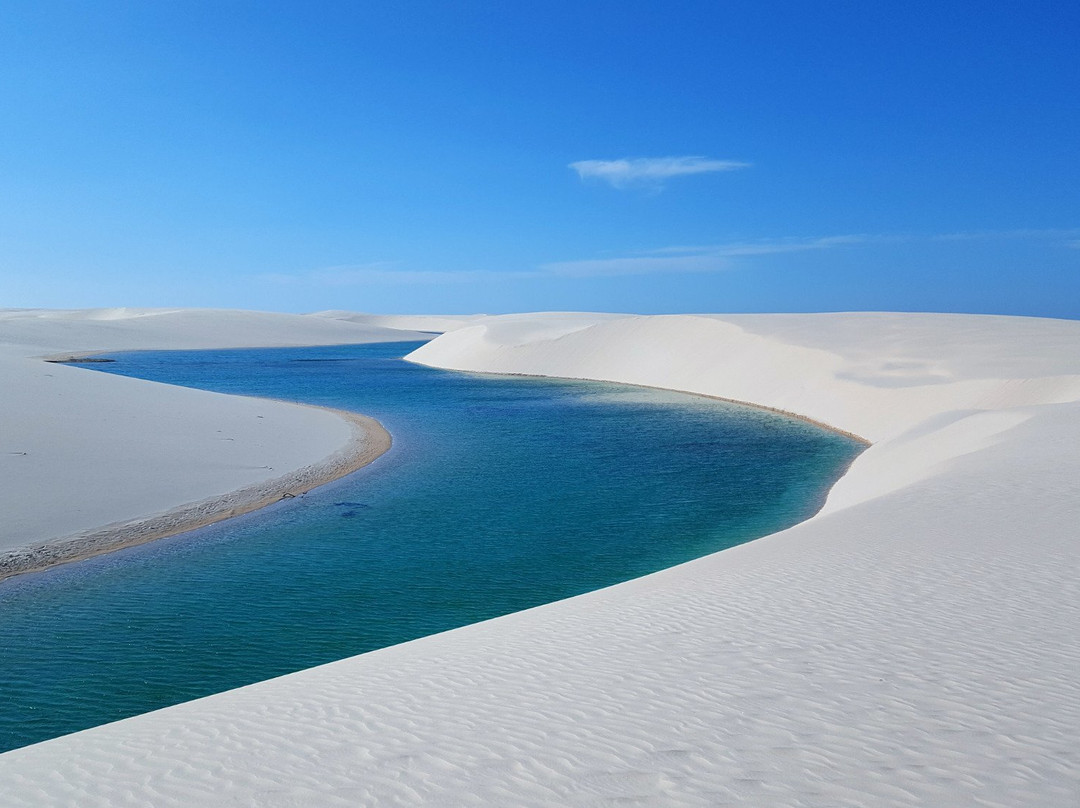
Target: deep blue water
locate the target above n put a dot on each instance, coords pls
(499, 494)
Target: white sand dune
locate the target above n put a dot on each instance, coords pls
(93, 330)
(82, 451)
(428, 323)
(916, 643)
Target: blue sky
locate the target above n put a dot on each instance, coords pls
(468, 156)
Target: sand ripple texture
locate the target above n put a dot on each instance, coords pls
(914, 644)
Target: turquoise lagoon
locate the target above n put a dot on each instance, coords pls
(500, 493)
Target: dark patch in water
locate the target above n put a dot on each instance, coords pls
(80, 360)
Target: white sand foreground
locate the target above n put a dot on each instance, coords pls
(90, 461)
(917, 643)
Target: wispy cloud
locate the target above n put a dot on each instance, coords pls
(711, 258)
(675, 259)
(665, 260)
(649, 172)
(782, 245)
(1028, 233)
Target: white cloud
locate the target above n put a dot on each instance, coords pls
(649, 171)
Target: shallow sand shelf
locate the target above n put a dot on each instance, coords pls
(90, 462)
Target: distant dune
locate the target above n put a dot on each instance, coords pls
(427, 323)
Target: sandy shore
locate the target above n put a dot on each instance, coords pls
(91, 462)
(915, 643)
(368, 441)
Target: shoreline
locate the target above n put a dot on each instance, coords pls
(865, 442)
(879, 653)
(368, 441)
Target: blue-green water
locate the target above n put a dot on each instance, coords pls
(499, 494)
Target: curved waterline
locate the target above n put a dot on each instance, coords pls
(368, 440)
(498, 494)
(737, 401)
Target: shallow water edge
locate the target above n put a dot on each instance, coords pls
(368, 441)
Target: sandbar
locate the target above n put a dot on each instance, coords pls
(369, 440)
